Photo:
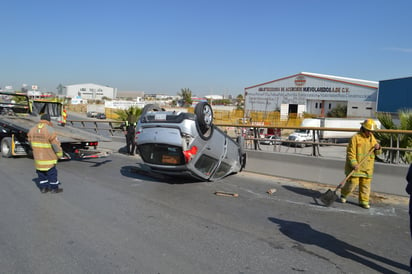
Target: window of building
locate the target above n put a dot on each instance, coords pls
(354, 107)
(316, 105)
(330, 106)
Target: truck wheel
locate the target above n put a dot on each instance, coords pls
(6, 147)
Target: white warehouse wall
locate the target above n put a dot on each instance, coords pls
(89, 91)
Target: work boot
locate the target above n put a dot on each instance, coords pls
(56, 190)
(44, 190)
(366, 206)
(342, 199)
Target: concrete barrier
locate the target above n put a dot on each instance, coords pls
(388, 178)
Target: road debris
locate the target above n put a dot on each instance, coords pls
(226, 194)
(271, 191)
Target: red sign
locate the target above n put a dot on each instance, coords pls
(300, 80)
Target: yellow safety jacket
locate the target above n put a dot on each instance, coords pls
(358, 147)
(45, 145)
(64, 116)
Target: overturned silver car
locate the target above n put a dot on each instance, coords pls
(186, 144)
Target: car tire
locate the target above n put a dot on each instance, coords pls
(204, 120)
(204, 116)
(151, 107)
(6, 147)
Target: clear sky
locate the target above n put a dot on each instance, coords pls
(208, 46)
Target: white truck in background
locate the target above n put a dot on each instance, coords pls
(94, 109)
(300, 136)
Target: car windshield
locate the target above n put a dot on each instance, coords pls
(162, 154)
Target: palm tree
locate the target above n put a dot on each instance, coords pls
(131, 114)
(186, 95)
(389, 140)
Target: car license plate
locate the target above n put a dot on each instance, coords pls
(160, 116)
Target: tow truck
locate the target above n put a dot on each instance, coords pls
(19, 113)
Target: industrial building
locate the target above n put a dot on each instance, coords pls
(88, 91)
(313, 93)
(395, 95)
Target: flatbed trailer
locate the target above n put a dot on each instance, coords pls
(18, 114)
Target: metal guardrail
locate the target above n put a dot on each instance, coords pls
(114, 129)
(98, 125)
(394, 149)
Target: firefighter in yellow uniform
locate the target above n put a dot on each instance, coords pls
(359, 146)
(46, 152)
(64, 117)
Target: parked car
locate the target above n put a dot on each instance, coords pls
(271, 140)
(91, 114)
(186, 144)
(101, 116)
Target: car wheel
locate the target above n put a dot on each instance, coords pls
(6, 147)
(151, 107)
(204, 116)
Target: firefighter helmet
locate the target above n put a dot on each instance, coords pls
(369, 124)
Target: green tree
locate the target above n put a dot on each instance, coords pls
(338, 111)
(389, 140)
(186, 95)
(131, 114)
(239, 99)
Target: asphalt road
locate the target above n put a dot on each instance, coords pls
(112, 218)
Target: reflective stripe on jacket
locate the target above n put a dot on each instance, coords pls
(358, 147)
(45, 145)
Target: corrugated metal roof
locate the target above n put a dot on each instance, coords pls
(343, 79)
(346, 80)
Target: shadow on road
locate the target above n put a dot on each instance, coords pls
(303, 191)
(139, 171)
(305, 234)
(94, 162)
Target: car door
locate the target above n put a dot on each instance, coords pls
(211, 154)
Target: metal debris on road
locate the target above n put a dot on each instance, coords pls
(226, 194)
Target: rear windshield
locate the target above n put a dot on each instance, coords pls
(162, 154)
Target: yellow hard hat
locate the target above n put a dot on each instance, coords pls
(369, 124)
